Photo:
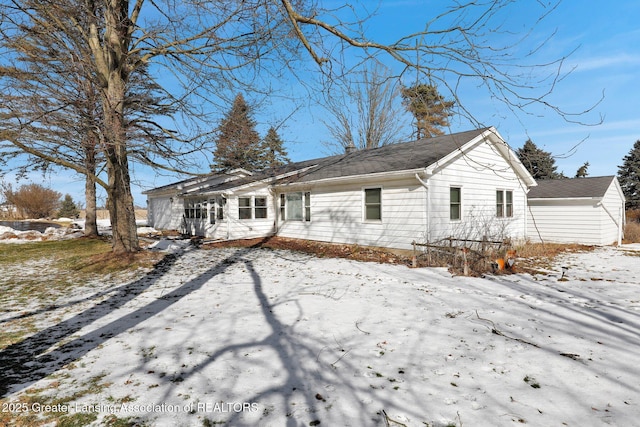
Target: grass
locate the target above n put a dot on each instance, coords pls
(33, 277)
(534, 258)
(632, 232)
(84, 256)
(45, 406)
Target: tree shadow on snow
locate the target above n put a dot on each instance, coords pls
(50, 349)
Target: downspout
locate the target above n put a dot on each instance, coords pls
(425, 184)
(276, 201)
(621, 224)
(225, 209)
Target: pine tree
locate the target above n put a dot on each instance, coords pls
(68, 208)
(428, 107)
(238, 143)
(539, 163)
(272, 148)
(629, 177)
(582, 170)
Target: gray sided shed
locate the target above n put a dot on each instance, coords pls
(587, 211)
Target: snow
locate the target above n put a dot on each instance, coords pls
(10, 235)
(250, 336)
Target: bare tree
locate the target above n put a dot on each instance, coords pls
(367, 114)
(51, 109)
(208, 47)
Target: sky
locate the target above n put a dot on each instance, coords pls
(603, 39)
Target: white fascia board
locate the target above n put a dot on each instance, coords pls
(358, 178)
(563, 198)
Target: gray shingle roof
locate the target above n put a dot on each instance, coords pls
(567, 188)
(389, 158)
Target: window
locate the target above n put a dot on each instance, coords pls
(307, 206)
(244, 207)
(295, 206)
(212, 212)
(220, 203)
(260, 205)
(509, 206)
(373, 204)
(216, 212)
(252, 207)
(195, 208)
(283, 202)
(504, 203)
(455, 203)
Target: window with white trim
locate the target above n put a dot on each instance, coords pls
(195, 208)
(220, 204)
(295, 206)
(260, 207)
(504, 203)
(373, 204)
(455, 203)
(252, 207)
(216, 212)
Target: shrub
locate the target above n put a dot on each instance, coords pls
(33, 200)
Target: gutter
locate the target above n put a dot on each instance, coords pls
(405, 173)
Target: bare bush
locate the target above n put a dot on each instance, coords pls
(632, 232)
(474, 246)
(33, 200)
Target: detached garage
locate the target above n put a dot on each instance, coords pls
(588, 211)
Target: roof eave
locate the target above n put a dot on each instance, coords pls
(360, 177)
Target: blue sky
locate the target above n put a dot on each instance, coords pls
(606, 61)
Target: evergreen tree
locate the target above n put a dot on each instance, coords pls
(238, 143)
(629, 177)
(428, 107)
(538, 162)
(68, 208)
(273, 152)
(582, 171)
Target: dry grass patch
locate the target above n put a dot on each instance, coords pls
(83, 255)
(322, 249)
(534, 258)
(632, 232)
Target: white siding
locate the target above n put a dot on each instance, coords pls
(231, 227)
(582, 221)
(612, 213)
(565, 221)
(165, 213)
(337, 210)
(479, 174)
(337, 215)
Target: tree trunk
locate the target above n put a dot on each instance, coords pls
(90, 217)
(90, 220)
(111, 55)
(120, 205)
(119, 197)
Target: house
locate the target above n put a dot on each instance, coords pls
(467, 185)
(588, 211)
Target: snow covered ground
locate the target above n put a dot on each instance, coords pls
(259, 337)
(69, 229)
